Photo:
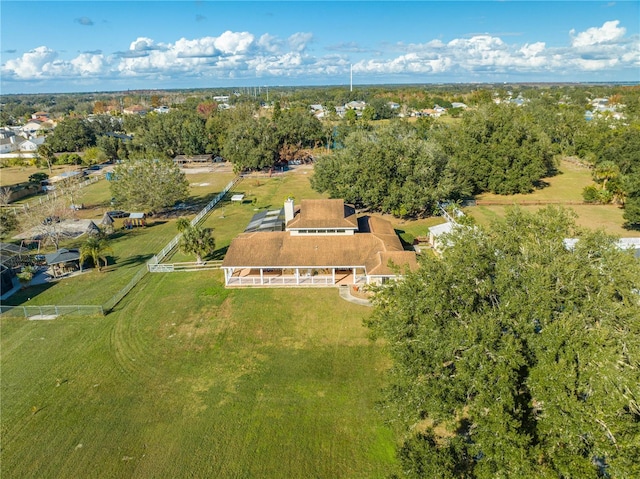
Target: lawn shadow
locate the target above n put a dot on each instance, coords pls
(218, 254)
(541, 184)
(132, 260)
(25, 294)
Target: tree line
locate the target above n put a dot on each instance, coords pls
(396, 166)
(404, 168)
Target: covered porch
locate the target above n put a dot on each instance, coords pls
(294, 276)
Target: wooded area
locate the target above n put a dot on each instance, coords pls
(515, 355)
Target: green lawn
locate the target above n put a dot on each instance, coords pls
(564, 189)
(187, 379)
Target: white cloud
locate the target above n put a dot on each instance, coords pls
(234, 42)
(269, 43)
(607, 33)
(241, 55)
(532, 50)
(31, 64)
(142, 44)
(87, 64)
(298, 41)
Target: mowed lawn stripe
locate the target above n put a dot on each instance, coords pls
(187, 379)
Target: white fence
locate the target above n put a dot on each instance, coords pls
(51, 195)
(190, 266)
(176, 240)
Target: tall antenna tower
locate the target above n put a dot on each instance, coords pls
(350, 77)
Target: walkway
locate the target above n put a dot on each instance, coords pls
(345, 294)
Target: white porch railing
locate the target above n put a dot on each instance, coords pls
(320, 280)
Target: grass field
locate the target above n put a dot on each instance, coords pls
(563, 189)
(187, 379)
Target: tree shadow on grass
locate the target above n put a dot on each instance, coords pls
(218, 254)
(134, 260)
(22, 297)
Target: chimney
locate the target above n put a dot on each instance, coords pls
(288, 210)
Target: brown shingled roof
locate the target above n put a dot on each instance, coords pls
(324, 214)
(374, 245)
(280, 249)
(380, 264)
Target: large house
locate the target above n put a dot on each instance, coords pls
(319, 243)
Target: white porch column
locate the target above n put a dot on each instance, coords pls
(297, 275)
(333, 275)
(354, 276)
(261, 277)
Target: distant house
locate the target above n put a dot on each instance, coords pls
(135, 110)
(322, 243)
(42, 116)
(9, 143)
(32, 127)
(355, 105)
(162, 109)
(119, 136)
(457, 104)
(32, 144)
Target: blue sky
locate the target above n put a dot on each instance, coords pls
(73, 46)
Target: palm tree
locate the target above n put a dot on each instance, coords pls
(197, 241)
(95, 248)
(605, 171)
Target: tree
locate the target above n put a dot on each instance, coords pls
(500, 148)
(45, 220)
(46, 153)
(605, 171)
(196, 240)
(389, 169)
(515, 355)
(94, 155)
(252, 144)
(632, 204)
(71, 134)
(95, 248)
(148, 185)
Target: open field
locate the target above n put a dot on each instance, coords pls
(563, 189)
(187, 379)
(13, 175)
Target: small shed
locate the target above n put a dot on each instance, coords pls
(435, 233)
(63, 261)
(135, 219)
(107, 222)
(239, 198)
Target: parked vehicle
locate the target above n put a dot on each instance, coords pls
(118, 214)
